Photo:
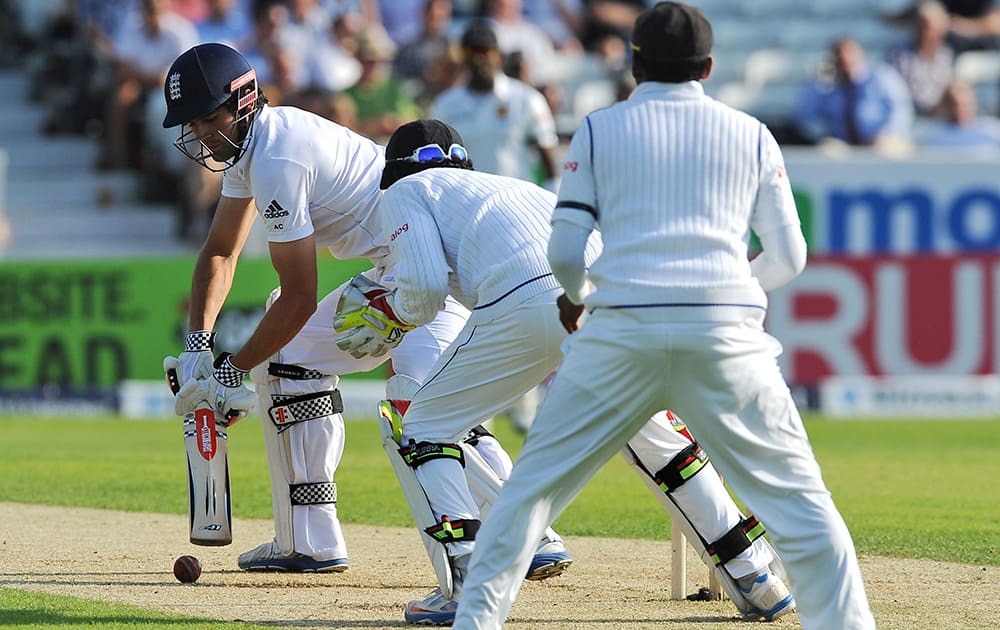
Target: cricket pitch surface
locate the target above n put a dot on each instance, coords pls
(127, 558)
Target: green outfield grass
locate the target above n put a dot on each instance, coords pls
(918, 489)
(39, 610)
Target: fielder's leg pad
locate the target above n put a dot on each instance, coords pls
(736, 540)
(315, 493)
(400, 390)
(391, 427)
(418, 453)
(681, 467)
(289, 410)
(678, 515)
(454, 531)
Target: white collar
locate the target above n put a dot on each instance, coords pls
(654, 89)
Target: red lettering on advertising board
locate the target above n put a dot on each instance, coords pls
(889, 316)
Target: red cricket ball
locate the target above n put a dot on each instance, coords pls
(187, 569)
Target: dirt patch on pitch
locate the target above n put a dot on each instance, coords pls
(128, 558)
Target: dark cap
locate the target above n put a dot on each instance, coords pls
(672, 33)
(480, 34)
(410, 137)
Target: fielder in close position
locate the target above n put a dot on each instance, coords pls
(314, 184)
(675, 180)
(481, 238)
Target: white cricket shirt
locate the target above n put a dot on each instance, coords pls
(674, 179)
(309, 175)
(478, 236)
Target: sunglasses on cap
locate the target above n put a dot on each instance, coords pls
(433, 153)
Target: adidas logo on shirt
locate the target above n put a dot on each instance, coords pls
(275, 211)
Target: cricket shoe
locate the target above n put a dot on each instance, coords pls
(267, 557)
(436, 609)
(768, 596)
(551, 559)
(433, 610)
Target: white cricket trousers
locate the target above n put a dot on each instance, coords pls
(717, 368)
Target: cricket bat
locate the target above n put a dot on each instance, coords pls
(206, 445)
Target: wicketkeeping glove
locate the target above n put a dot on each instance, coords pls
(366, 322)
(196, 360)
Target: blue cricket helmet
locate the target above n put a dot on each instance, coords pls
(205, 77)
(201, 80)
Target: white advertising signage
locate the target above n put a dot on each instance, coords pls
(866, 205)
(898, 310)
(911, 397)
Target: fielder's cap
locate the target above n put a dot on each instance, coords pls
(201, 79)
(672, 33)
(413, 135)
(480, 34)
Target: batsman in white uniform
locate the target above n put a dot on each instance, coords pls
(675, 180)
(481, 238)
(314, 184)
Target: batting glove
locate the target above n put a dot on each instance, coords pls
(229, 395)
(194, 363)
(366, 322)
(192, 395)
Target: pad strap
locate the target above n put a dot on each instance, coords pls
(736, 541)
(317, 493)
(682, 467)
(418, 453)
(454, 531)
(292, 409)
(476, 432)
(293, 372)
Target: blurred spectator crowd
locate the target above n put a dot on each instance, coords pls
(916, 95)
(98, 66)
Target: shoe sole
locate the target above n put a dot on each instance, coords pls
(783, 608)
(430, 620)
(277, 568)
(547, 571)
